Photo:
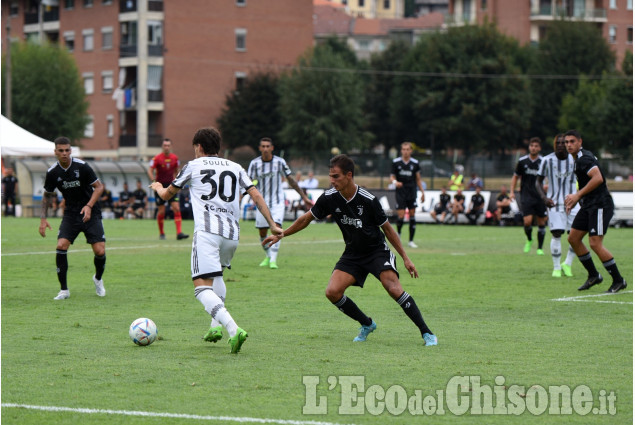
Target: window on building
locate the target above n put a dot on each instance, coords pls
(89, 130)
(241, 39)
(106, 81)
(241, 2)
(155, 33)
(613, 4)
(240, 80)
(629, 35)
(467, 10)
(129, 33)
(360, 3)
(612, 34)
(106, 38)
(14, 8)
(89, 83)
(69, 4)
(483, 4)
(110, 126)
(106, 2)
(364, 45)
(629, 4)
(88, 40)
(88, 3)
(386, 4)
(69, 40)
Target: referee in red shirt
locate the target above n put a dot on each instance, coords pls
(163, 169)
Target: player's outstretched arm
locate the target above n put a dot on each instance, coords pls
(301, 223)
(164, 193)
(394, 240)
(297, 188)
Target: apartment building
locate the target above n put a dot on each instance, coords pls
(527, 20)
(373, 8)
(155, 69)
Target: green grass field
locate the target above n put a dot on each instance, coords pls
(491, 306)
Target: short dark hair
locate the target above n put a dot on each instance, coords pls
(344, 163)
(62, 140)
(209, 139)
(167, 139)
(535, 140)
(266, 139)
(574, 133)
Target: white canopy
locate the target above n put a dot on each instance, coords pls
(16, 141)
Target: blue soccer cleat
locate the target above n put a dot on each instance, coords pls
(364, 331)
(430, 339)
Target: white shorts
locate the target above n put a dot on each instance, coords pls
(277, 213)
(211, 254)
(560, 220)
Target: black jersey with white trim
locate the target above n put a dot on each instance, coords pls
(600, 196)
(74, 183)
(527, 170)
(359, 219)
(406, 172)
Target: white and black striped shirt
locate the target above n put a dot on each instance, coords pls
(269, 175)
(216, 185)
(561, 177)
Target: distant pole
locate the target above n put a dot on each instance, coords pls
(432, 158)
(7, 91)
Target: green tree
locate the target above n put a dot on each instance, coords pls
(321, 101)
(568, 49)
(465, 88)
(379, 92)
(251, 112)
(47, 93)
(603, 110)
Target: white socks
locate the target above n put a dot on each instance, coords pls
(219, 289)
(214, 306)
(556, 252)
(273, 251)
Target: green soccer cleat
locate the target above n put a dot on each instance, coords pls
(556, 273)
(214, 334)
(273, 265)
(566, 269)
(237, 340)
(527, 247)
(265, 262)
(540, 252)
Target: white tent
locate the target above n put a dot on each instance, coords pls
(16, 141)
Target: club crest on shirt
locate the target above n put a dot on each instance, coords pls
(360, 209)
(77, 174)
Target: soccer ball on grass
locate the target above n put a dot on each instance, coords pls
(143, 331)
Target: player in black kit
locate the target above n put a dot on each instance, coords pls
(531, 201)
(360, 216)
(406, 177)
(81, 190)
(596, 210)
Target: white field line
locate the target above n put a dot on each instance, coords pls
(188, 246)
(584, 298)
(167, 415)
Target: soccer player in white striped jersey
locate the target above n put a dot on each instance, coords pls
(267, 171)
(558, 169)
(216, 185)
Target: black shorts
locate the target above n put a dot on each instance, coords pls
(593, 220)
(360, 266)
(533, 207)
(406, 199)
(439, 209)
(159, 201)
(72, 225)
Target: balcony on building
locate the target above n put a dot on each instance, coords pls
(51, 14)
(547, 10)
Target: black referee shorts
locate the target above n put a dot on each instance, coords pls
(159, 201)
(72, 225)
(406, 199)
(359, 266)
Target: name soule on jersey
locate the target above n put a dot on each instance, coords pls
(359, 219)
(74, 183)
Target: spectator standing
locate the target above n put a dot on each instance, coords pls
(475, 182)
(9, 192)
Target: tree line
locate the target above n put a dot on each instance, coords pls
(470, 88)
